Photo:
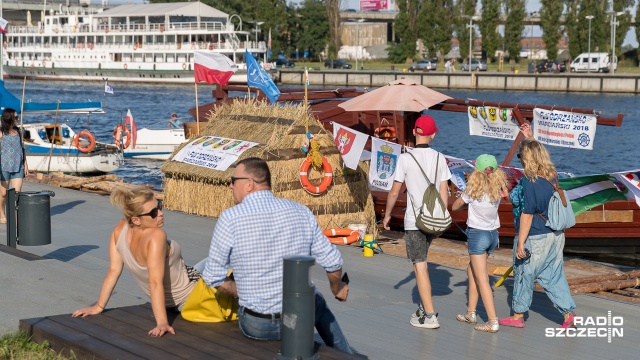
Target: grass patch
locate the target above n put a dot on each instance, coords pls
(18, 345)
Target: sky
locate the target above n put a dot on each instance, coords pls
(532, 5)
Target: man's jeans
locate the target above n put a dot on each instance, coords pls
(271, 329)
(546, 265)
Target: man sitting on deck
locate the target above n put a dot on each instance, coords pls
(253, 237)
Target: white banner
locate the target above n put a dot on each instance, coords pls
(213, 152)
(566, 129)
(492, 122)
(384, 161)
(350, 143)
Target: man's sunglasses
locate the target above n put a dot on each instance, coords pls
(234, 179)
(154, 212)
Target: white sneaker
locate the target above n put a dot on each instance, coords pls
(426, 321)
(420, 312)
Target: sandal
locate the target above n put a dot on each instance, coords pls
(3, 220)
(491, 326)
(470, 317)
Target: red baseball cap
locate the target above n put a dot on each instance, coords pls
(425, 126)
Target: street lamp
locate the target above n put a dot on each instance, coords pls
(257, 29)
(358, 39)
(589, 17)
(614, 23)
(470, 26)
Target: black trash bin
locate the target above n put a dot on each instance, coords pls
(34, 217)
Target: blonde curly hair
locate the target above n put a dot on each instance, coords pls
(130, 201)
(479, 183)
(536, 160)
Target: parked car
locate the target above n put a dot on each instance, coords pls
(547, 66)
(337, 64)
(600, 62)
(280, 63)
(476, 65)
(424, 65)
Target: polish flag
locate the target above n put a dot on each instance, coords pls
(213, 68)
(3, 25)
(134, 129)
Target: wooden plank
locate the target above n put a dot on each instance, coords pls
(182, 343)
(121, 341)
(68, 341)
(605, 216)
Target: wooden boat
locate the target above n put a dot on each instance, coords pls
(611, 230)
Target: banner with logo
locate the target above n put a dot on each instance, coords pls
(565, 129)
(213, 152)
(350, 144)
(493, 122)
(384, 161)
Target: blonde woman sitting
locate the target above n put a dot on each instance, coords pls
(139, 243)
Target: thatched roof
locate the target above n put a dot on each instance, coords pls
(280, 131)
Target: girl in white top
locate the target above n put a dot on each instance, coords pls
(485, 187)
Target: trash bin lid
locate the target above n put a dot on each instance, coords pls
(37, 193)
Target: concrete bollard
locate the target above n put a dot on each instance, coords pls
(298, 310)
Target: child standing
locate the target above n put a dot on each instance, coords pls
(485, 186)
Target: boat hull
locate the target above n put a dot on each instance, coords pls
(156, 144)
(69, 160)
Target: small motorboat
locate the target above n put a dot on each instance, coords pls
(154, 143)
(57, 148)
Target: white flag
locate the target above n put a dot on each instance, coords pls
(563, 128)
(350, 144)
(631, 179)
(384, 161)
(108, 88)
(492, 122)
(3, 25)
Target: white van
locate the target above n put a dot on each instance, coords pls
(599, 63)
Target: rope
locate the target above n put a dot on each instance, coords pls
(314, 154)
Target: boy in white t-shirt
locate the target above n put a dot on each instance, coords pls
(408, 171)
(485, 186)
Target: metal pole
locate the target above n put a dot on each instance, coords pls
(589, 60)
(470, 40)
(613, 42)
(357, 42)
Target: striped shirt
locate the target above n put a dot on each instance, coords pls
(254, 237)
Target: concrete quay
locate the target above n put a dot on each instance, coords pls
(505, 81)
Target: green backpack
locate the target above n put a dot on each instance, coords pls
(433, 217)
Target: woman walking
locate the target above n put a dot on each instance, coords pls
(485, 187)
(537, 250)
(13, 161)
(139, 243)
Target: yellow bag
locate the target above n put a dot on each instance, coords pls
(206, 304)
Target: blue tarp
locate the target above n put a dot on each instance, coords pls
(8, 100)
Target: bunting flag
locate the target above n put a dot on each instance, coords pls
(134, 129)
(384, 161)
(108, 89)
(632, 180)
(587, 192)
(493, 122)
(306, 75)
(3, 25)
(566, 129)
(260, 79)
(350, 144)
(213, 68)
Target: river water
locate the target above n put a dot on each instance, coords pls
(152, 104)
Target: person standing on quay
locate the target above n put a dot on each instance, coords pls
(418, 242)
(13, 161)
(485, 186)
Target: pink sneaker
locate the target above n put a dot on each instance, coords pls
(569, 322)
(508, 321)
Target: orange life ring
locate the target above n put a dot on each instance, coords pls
(117, 136)
(210, 46)
(135, 46)
(326, 181)
(125, 66)
(90, 138)
(184, 66)
(342, 236)
(385, 132)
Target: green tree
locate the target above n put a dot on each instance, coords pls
(488, 27)
(404, 49)
(435, 26)
(551, 28)
(571, 27)
(461, 32)
(311, 31)
(624, 21)
(333, 19)
(515, 12)
(600, 27)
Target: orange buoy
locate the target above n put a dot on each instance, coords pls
(89, 137)
(342, 236)
(326, 181)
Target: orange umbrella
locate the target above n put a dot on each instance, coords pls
(399, 95)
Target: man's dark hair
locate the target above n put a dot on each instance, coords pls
(258, 169)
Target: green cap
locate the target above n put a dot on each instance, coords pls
(485, 160)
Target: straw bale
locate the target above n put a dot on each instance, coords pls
(281, 132)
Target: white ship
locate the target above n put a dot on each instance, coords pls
(140, 43)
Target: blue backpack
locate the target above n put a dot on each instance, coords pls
(560, 212)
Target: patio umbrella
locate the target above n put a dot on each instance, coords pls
(399, 95)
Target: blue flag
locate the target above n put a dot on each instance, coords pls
(260, 79)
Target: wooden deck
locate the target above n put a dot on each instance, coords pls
(121, 333)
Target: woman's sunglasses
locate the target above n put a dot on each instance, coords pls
(154, 212)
